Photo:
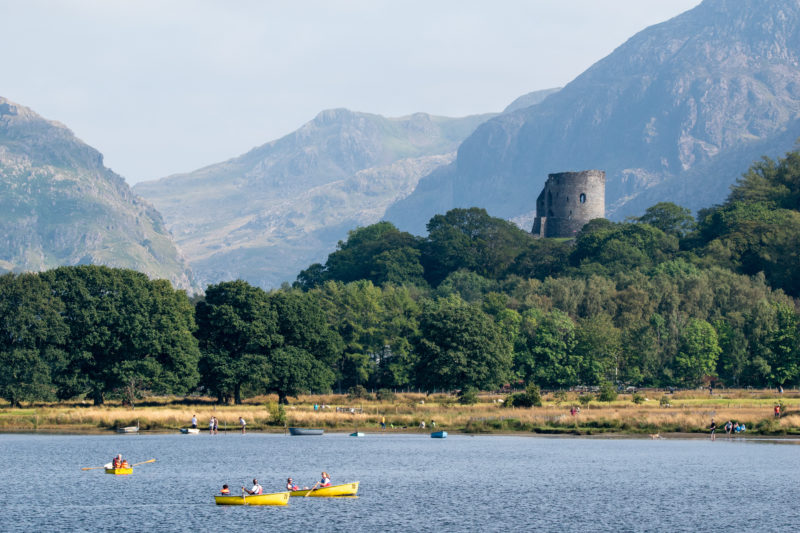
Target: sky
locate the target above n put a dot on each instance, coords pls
(162, 87)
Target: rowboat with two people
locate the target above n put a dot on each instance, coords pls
(118, 466)
(254, 496)
(276, 498)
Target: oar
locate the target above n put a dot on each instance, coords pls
(92, 467)
(312, 489)
(143, 462)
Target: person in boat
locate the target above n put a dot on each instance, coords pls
(117, 461)
(225, 491)
(291, 485)
(257, 489)
(325, 481)
(124, 464)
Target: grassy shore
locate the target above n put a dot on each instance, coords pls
(686, 412)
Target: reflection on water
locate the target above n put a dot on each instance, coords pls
(408, 482)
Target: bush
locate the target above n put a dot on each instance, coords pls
(385, 395)
(584, 399)
(664, 402)
(468, 396)
(532, 397)
(607, 392)
(277, 414)
(357, 392)
(534, 394)
(637, 398)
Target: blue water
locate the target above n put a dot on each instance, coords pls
(408, 483)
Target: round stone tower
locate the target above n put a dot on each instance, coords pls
(568, 201)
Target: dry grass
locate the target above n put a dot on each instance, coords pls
(690, 412)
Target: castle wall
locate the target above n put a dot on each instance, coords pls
(568, 201)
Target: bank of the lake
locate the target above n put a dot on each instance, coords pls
(658, 412)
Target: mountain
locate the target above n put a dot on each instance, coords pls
(267, 214)
(527, 100)
(60, 206)
(676, 113)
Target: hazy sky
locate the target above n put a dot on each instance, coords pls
(161, 87)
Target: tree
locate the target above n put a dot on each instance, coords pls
(698, 352)
(547, 349)
(237, 329)
(670, 218)
(32, 333)
(470, 239)
(118, 315)
(460, 346)
(293, 370)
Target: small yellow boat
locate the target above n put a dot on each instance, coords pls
(119, 471)
(276, 498)
(334, 491)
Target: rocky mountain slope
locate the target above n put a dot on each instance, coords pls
(60, 206)
(269, 213)
(676, 113)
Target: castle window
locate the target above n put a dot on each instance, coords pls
(583, 198)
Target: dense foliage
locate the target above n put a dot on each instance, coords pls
(659, 300)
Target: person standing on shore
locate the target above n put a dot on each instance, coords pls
(243, 424)
(194, 421)
(216, 426)
(777, 411)
(713, 428)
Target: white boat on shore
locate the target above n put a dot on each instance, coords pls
(190, 431)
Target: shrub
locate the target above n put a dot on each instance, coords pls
(357, 392)
(534, 394)
(468, 396)
(385, 395)
(664, 402)
(277, 414)
(532, 397)
(607, 392)
(637, 398)
(584, 399)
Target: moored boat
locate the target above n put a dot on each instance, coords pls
(305, 431)
(439, 435)
(358, 434)
(276, 498)
(119, 471)
(334, 491)
(190, 431)
(129, 429)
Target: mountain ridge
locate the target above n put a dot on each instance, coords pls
(62, 206)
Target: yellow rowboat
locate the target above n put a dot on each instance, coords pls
(119, 471)
(277, 498)
(334, 491)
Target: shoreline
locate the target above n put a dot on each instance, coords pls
(686, 413)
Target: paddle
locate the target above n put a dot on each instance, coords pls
(107, 465)
(312, 489)
(143, 462)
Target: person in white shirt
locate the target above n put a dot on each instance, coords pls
(243, 424)
(257, 489)
(194, 421)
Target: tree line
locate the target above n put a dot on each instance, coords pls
(665, 299)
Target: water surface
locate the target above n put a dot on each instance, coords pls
(408, 483)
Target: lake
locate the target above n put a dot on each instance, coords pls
(408, 483)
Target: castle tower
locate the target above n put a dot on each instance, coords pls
(568, 201)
